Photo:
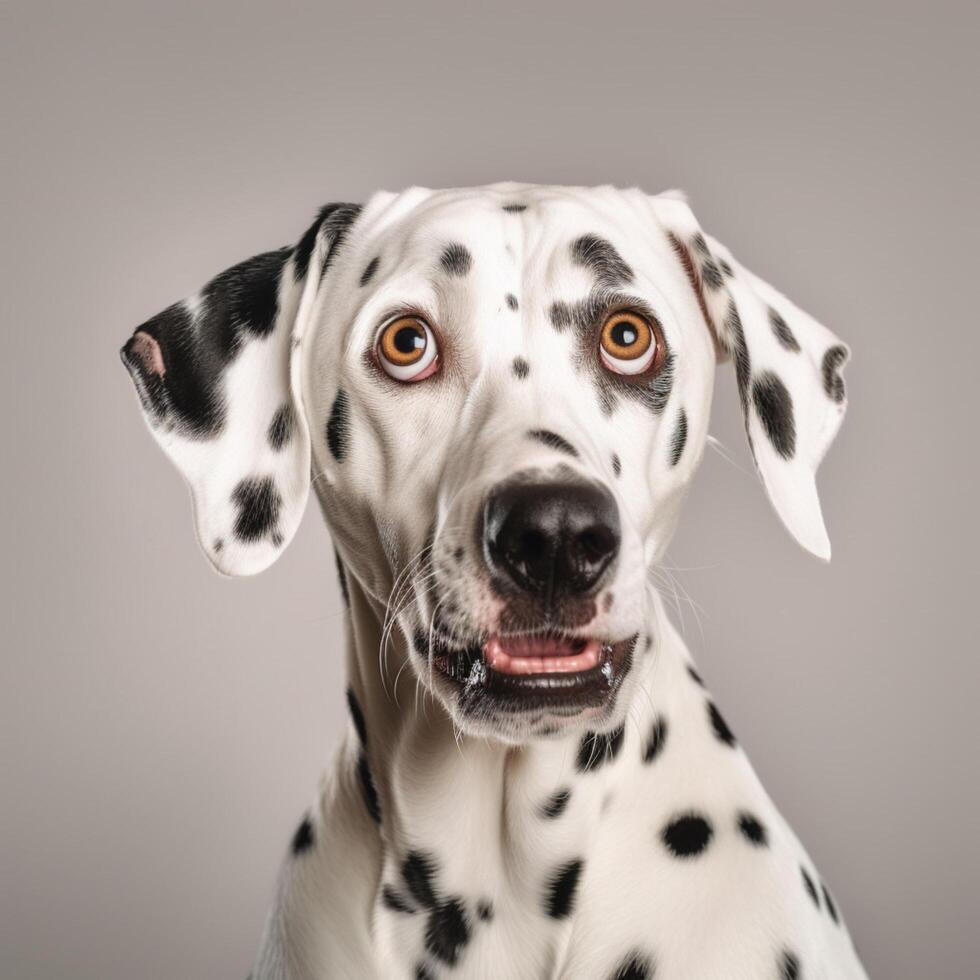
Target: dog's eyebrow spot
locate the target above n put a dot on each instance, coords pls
(789, 966)
(656, 741)
(833, 383)
(511, 301)
(775, 409)
(687, 836)
(281, 427)
(456, 259)
(555, 805)
(602, 259)
(560, 899)
(304, 838)
(782, 331)
(811, 888)
(515, 208)
(553, 441)
(259, 505)
(679, 438)
(719, 726)
(369, 270)
(338, 426)
(635, 966)
(596, 749)
(521, 368)
(752, 829)
(617, 465)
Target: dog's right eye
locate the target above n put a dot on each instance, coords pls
(407, 349)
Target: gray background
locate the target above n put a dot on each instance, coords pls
(161, 729)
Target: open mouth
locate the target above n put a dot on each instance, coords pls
(558, 674)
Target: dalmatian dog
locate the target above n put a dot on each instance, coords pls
(500, 396)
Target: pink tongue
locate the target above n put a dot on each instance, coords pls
(539, 655)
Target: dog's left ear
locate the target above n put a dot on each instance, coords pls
(214, 375)
(787, 365)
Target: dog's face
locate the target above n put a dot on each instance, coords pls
(502, 394)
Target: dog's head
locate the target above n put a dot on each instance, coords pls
(500, 395)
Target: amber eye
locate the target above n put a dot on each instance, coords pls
(407, 349)
(627, 343)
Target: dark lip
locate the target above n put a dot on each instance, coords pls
(483, 690)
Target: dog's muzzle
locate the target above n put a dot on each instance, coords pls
(549, 548)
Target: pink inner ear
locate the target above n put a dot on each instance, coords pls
(149, 353)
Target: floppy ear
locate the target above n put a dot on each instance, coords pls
(213, 374)
(787, 365)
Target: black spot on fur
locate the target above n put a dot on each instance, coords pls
(562, 315)
(555, 805)
(484, 911)
(775, 409)
(368, 788)
(418, 871)
(726, 268)
(752, 830)
(655, 743)
(447, 931)
(239, 304)
(740, 353)
(218, 545)
(281, 427)
(456, 259)
(634, 967)
(259, 505)
(789, 966)
(811, 888)
(833, 383)
(831, 907)
(687, 836)
(304, 838)
(392, 900)
(420, 643)
(342, 579)
(515, 208)
(338, 426)
(617, 465)
(596, 749)
(699, 243)
(560, 897)
(422, 973)
(521, 368)
(602, 260)
(357, 716)
(511, 300)
(711, 274)
(719, 726)
(334, 220)
(782, 331)
(679, 438)
(369, 270)
(695, 676)
(458, 554)
(553, 441)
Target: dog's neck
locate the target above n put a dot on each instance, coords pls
(493, 799)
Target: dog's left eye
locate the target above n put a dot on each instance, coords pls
(628, 343)
(407, 349)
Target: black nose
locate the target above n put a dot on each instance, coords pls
(551, 539)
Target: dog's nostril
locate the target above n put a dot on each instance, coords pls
(551, 538)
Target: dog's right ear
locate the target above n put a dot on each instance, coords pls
(214, 378)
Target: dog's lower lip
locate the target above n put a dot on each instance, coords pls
(540, 655)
